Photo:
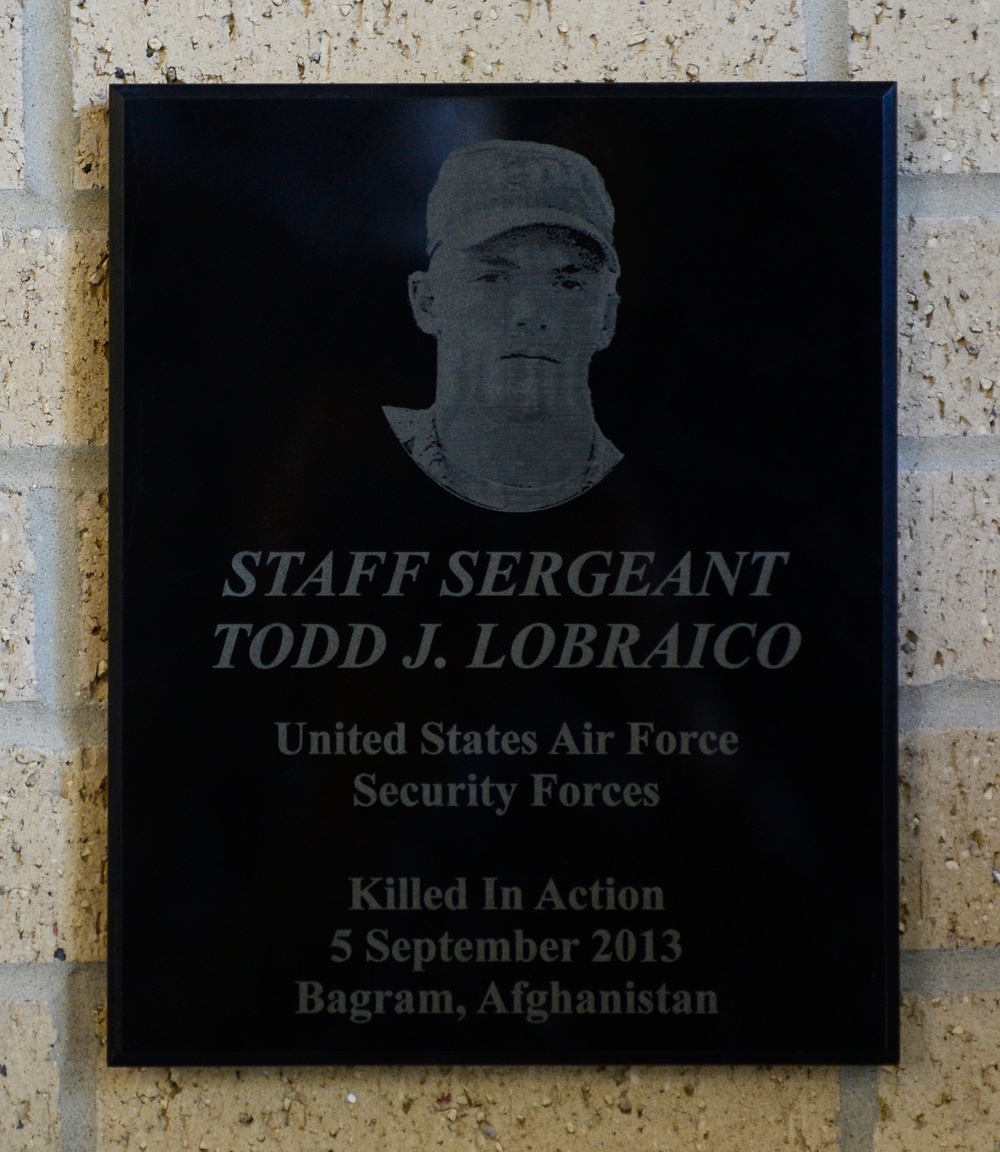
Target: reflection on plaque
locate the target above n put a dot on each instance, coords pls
(503, 577)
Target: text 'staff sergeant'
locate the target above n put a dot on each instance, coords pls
(520, 294)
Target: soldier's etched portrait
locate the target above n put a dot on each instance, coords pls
(520, 293)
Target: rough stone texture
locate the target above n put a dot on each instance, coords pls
(949, 839)
(53, 337)
(628, 1110)
(949, 576)
(29, 1086)
(945, 1094)
(944, 54)
(92, 516)
(949, 327)
(17, 609)
(11, 103)
(293, 41)
(53, 856)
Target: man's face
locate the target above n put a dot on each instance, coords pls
(517, 319)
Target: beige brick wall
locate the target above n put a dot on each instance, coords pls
(944, 1095)
(29, 1084)
(53, 855)
(53, 337)
(949, 327)
(944, 55)
(53, 410)
(949, 576)
(949, 829)
(92, 520)
(263, 41)
(627, 1109)
(17, 609)
(11, 101)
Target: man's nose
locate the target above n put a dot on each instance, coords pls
(529, 311)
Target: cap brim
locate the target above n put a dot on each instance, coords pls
(477, 227)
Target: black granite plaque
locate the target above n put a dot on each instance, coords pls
(503, 574)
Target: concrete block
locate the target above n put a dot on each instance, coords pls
(53, 337)
(17, 606)
(944, 1095)
(11, 97)
(949, 839)
(949, 327)
(943, 55)
(53, 856)
(269, 41)
(29, 1084)
(545, 1109)
(949, 576)
(92, 518)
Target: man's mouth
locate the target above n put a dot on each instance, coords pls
(529, 356)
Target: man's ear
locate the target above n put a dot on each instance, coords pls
(610, 321)
(422, 303)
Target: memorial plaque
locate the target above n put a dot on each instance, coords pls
(503, 580)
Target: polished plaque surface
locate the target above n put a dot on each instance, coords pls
(503, 574)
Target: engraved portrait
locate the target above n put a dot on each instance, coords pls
(520, 293)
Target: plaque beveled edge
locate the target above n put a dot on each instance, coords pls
(116, 484)
(890, 600)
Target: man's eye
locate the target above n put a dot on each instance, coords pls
(492, 278)
(569, 283)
